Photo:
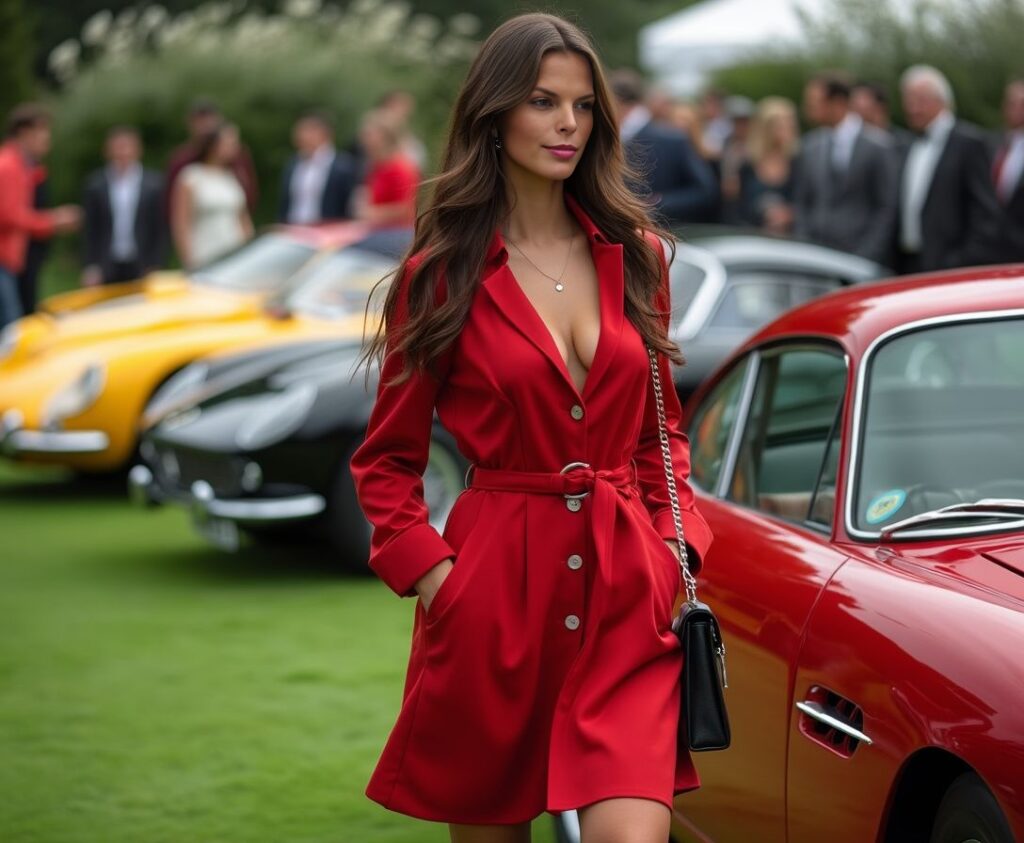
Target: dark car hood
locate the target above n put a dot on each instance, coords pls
(255, 381)
(229, 372)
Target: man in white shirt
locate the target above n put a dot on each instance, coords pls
(845, 193)
(125, 232)
(949, 215)
(1008, 170)
(318, 181)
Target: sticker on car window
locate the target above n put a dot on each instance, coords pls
(885, 506)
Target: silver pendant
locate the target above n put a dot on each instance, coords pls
(559, 287)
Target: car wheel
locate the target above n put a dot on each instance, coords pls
(969, 813)
(347, 528)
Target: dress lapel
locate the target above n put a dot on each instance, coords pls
(504, 290)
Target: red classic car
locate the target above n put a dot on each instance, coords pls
(861, 462)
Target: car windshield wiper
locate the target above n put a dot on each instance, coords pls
(1005, 508)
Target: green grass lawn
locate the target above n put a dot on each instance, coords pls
(154, 689)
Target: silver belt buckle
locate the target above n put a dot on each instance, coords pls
(465, 479)
(570, 466)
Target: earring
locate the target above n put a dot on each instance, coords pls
(497, 142)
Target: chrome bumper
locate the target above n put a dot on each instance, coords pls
(205, 505)
(15, 439)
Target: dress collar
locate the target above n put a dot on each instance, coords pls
(498, 254)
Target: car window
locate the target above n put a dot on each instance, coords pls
(811, 288)
(749, 304)
(755, 298)
(262, 265)
(711, 426)
(943, 421)
(340, 284)
(784, 452)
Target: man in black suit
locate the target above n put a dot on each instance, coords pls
(318, 182)
(125, 233)
(676, 180)
(845, 193)
(949, 214)
(1008, 170)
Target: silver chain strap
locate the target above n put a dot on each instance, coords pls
(670, 480)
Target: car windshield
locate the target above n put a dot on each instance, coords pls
(339, 285)
(943, 421)
(262, 265)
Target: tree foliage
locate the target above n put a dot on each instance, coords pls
(15, 55)
(612, 23)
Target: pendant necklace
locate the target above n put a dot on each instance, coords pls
(558, 281)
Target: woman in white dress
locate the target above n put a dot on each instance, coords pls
(208, 211)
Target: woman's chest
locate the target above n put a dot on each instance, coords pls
(569, 307)
(508, 353)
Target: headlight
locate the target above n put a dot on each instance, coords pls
(77, 396)
(278, 419)
(8, 340)
(177, 385)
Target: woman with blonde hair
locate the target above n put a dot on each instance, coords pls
(768, 179)
(544, 674)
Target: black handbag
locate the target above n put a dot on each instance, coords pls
(703, 719)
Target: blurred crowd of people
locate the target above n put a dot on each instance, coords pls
(938, 194)
(202, 203)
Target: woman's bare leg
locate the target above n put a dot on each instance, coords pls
(461, 833)
(625, 820)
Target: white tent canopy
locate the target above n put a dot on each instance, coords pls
(680, 51)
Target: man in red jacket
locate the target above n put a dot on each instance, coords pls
(28, 142)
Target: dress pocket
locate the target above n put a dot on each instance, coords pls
(673, 577)
(461, 520)
(436, 605)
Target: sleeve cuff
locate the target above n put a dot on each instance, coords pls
(696, 532)
(408, 556)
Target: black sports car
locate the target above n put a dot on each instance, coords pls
(267, 449)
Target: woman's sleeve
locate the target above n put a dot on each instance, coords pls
(387, 469)
(649, 460)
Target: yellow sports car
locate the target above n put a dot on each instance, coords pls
(72, 394)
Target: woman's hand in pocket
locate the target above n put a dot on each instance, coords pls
(430, 582)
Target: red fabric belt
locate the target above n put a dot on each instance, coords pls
(575, 480)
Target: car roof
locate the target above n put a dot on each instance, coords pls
(325, 235)
(734, 246)
(857, 315)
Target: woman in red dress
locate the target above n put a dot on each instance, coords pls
(543, 673)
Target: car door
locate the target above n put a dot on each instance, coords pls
(764, 444)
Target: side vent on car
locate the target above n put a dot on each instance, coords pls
(832, 721)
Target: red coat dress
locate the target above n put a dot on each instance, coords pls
(544, 675)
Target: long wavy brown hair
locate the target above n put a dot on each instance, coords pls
(469, 200)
